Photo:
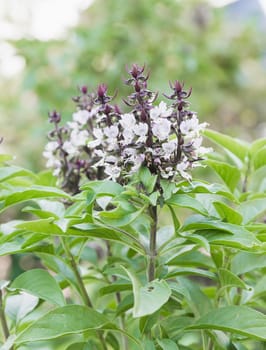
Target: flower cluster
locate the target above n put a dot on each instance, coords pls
(102, 142)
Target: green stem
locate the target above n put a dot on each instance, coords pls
(3, 318)
(83, 292)
(245, 183)
(204, 341)
(124, 339)
(152, 250)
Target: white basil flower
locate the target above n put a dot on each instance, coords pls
(111, 131)
(70, 148)
(81, 116)
(160, 111)
(137, 162)
(112, 171)
(169, 148)
(191, 127)
(99, 136)
(128, 137)
(129, 154)
(51, 146)
(99, 154)
(73, 125)
(53, 162)
(182, 169)
(161, 128)
(79, 138)
(141, 130)
(57, 170)
(167, 172)
(127, 121)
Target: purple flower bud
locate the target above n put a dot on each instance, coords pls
(84, 89)
(107, 109)
(134, 71)
(137, 87)
(117, 110)
(80, 163)
(102, 89)
(178, 86)
(54, 117)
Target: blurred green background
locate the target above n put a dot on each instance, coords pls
(218, 50)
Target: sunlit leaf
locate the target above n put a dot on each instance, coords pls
(69, 319)
(228, 173)
(252, 208)
(41, 284)
(185, 201)
(227, 213)
(148, 298)
(235, 319)
(230, 144)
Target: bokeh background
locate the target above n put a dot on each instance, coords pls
(49, 47)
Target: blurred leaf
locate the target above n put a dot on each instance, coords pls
(147, 179)
(259, 159)
(227, 213)
(221, 232)
(69, 319)
(167, 344)
(148, 298)
(48, 227)
(244, 262)
(18, 306)
(185, 201)
(47, 208)
(229, 279)
(228, 173)
(199, 303)
(60, 266)
(13, 171)
(235, 319)
(103, 188)
(24, 194)
(41, 284)
(236, 147)
(252, 208)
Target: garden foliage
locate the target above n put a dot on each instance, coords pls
(136, 252)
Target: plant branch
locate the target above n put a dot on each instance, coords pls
(245, 182)
(83, 292)
(3, 318)
(152, 250)
(124, 339)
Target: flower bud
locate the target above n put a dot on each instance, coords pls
(135, 71)
(102, 88)
(84, 89)
(54, 117)
(178, 86)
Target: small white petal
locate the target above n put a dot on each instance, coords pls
(51, 146)
(111, 131)
(160, 111)
(73, 125)
(169, 148)
(128, 137)
(112, 171)
(70, 148)
(79, 138)
(161, 128)
(182, 170)
(127, 120)
(81, 116)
